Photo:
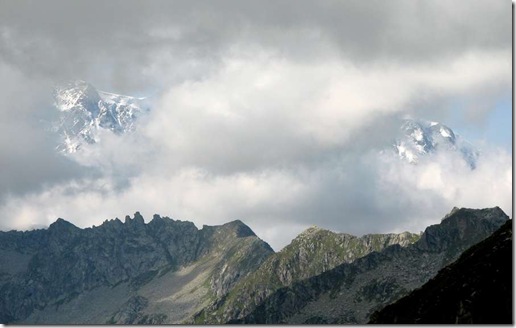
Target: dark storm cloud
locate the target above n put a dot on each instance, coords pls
(115, 41)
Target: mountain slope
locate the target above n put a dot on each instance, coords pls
(476, 289)
(131, 272)
(85, 111)
(350, 292)
(314, 251)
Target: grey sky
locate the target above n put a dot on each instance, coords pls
(113, 41)
(267, 111)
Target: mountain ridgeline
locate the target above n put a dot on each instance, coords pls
(103, 271)
(351, 292)
(169, 271)
(313, 252)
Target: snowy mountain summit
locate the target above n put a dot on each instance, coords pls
(85, 111)
(420, 138)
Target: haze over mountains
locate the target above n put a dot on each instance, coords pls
(168, 271)
(174, 152)
(85, 112)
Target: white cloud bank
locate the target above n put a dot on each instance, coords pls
(282, 145)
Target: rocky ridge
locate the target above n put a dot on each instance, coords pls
(168, 271)
(64, 266)
(351, 292)
(314, 251)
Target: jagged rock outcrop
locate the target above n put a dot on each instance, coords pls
(314, 251)
(475, 289)
(50, 272)
(351, 292)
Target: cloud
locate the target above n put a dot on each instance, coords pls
(28, 161)
(438, 183)
(117, 44)
(269, 112)
(360, 194)
(278, 143)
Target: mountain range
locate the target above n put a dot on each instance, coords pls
(351, 292)
(169, 271)
(85, 112)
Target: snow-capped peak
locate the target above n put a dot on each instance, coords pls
(76, 93)
(419, 138)
(84, 111)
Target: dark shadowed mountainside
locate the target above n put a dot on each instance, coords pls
(477, 289)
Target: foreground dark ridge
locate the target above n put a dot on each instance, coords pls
(476, 289)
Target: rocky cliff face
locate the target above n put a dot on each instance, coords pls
(58, 268)
(475, 289)
(351, 292)
(314, 251)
